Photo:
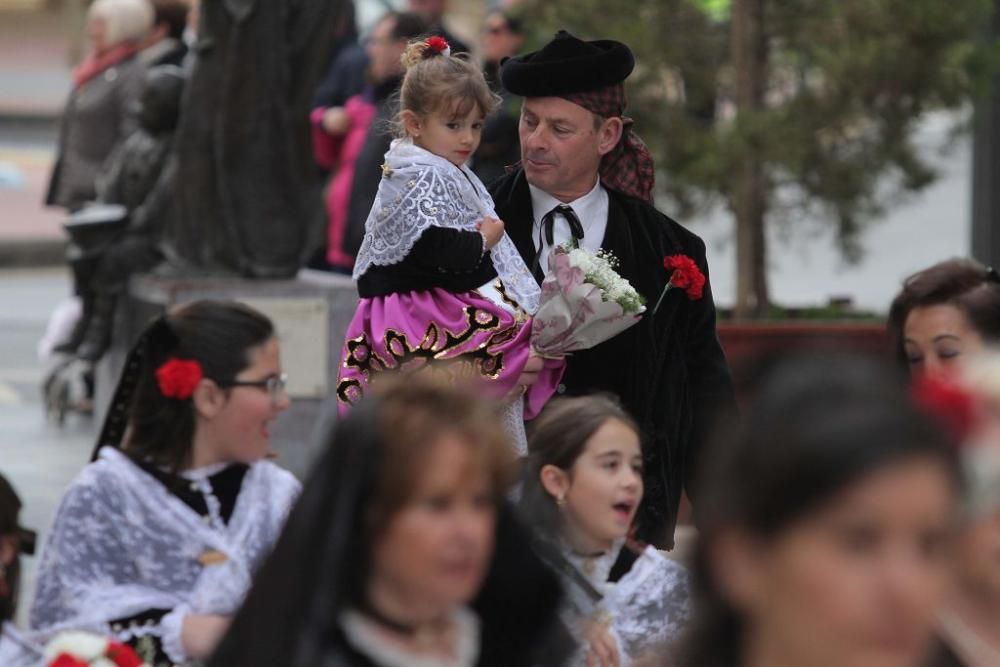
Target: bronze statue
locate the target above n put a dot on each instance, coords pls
(248, 193)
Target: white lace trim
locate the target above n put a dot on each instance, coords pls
(122, 544)
(16, 649)
(421, 190)
(366, 639)
(648, 607)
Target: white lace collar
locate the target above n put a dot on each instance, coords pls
(365, 637)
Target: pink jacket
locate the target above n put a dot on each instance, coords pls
(338, 153)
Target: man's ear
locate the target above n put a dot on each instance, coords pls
(609, 135)
(208, 399)
(411, 122)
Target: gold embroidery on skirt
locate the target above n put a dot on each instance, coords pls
(438, 346)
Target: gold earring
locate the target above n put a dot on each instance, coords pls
(561, 501)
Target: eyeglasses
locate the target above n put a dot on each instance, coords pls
(274, 385)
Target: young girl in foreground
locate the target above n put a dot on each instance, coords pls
(582, 487)
(433, 248)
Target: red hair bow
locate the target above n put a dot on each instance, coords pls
(438, 45)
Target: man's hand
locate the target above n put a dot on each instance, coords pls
(335, 120)
(492, 231)
(528, 376)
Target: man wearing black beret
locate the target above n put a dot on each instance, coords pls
(585, 175)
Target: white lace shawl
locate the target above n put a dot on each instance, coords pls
(421, 190)
(16, 649)
(122, 544)
(648, 607)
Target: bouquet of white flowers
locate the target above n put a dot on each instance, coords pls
(584, 302)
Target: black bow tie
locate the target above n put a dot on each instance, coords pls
(548, 222)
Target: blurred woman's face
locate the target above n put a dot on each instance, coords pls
(97, 34)
(602, 490)
(856, 583)
(937, 337)
(435, 551)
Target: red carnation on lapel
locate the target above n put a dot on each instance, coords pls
(66, 660)
(437, 44)
(178, 378)
(685, 275)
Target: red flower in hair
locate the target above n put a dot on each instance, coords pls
(123, 655)
(437, 44)
(947, 401)
(178, 378)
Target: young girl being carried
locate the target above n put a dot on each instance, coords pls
(440, 282)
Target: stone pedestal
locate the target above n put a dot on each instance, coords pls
(311, 314)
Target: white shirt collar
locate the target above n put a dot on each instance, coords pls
(542, 202)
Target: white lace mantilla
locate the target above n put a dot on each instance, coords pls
(122, 544)
(648, 607)
(419, 190)
(17, 649)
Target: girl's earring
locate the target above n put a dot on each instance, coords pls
(561, 501)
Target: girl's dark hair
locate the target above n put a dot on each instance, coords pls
(370, 463)
(816, 427)
(558, 437)
(219, 336)
(964, 283)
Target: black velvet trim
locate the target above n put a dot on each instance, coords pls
(567, 65)
(623, 564)
(225, 485)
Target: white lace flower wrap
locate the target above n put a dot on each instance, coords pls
(421, 190)
(121, 544)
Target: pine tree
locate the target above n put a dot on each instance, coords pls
(803, 109)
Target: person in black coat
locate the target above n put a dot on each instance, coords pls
(577, 149)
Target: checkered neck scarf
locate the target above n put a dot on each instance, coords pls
(628, 168)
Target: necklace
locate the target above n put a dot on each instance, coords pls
(422, 633)
(968, 641)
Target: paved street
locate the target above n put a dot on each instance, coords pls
(38, 458)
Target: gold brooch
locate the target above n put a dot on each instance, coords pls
(212, 557)
(386, 170)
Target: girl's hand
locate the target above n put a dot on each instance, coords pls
(201, 633)
(602, 649)
(492, 231)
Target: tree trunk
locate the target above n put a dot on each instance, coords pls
(748, 198)
(986, 165)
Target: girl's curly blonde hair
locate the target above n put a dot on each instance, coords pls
(436, 81)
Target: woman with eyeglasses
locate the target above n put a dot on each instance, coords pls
(156, 541)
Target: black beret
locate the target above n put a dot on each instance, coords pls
(567, 65)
